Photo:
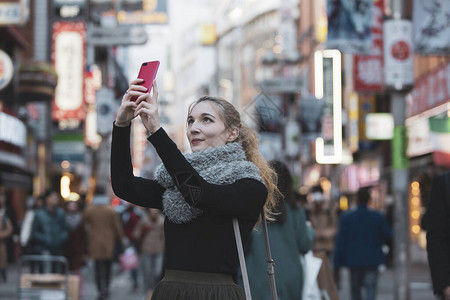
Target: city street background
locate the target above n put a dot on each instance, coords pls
(121, 287)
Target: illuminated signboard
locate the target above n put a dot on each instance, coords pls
(69, 60)
(327, 79)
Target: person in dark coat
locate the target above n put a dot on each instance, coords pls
(361, 234)
(49, 231)
(438, 235)
(289, 238)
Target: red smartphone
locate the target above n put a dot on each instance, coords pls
(148, 73)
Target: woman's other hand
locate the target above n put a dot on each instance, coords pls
(127, 108)
(147, 109)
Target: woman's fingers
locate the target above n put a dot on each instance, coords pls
(155, 92)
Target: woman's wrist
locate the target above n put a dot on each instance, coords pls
(154, 130)
(121, 124)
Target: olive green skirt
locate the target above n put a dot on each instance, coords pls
(184, 285)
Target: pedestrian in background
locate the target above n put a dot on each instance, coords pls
(438, 235)
(361, 234)
(149, 234)
(75, 249)
(323, 218)
(289, 238)
(6, 230)
(49, 231)
(130, 218)
(104, 229)
(28, 244)
(200, 193)
(14, 236)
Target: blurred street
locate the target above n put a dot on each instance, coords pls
(121, 287)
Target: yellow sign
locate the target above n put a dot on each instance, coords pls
(208, 34)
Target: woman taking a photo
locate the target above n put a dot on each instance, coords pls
(224, 177)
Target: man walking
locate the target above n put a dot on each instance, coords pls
(361, 234)
(104, 229)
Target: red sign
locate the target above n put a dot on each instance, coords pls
(400, 50)
(368, 69)
(430, 91)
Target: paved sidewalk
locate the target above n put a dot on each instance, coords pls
(419, 284)
(121, 288)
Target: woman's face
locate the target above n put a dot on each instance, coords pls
(205, 129)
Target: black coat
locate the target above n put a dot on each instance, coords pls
(438, 232)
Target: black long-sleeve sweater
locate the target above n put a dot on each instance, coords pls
(206, 244)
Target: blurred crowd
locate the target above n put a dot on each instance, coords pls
(95, 232)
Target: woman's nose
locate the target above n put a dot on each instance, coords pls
(194, 127)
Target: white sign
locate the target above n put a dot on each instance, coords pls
(14, 12)
(12, 130)
(398, 54)
(379, 126)
(69, 66)
(6, 69)
(121, 35)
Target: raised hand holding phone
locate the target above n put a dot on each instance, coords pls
(148, 111)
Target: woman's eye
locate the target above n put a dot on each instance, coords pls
(207, 120)
(189, 122)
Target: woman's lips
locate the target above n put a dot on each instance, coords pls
(196, 141)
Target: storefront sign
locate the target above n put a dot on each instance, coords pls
(14, 12)
(69, 61)
(418, 138)
(379, 126)
(151, 12)
(68, 146)
(430, 91)
(6, 69)
(12, 130)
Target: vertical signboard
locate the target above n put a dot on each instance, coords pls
(327, 65)
(368, 69)
(69, 61)
(398, 54)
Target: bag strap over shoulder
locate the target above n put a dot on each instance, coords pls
(237, 235)
(269, 260)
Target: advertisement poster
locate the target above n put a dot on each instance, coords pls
(431, 26)
(368, 69)
(350, 25)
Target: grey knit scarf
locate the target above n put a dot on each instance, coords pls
(218, 165)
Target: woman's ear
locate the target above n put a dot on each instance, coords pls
(234, 133)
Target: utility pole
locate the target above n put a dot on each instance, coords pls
(398, 78)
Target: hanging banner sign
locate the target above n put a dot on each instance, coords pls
(69, 63)
(429, 91)
(398, 54)
(368, 69)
